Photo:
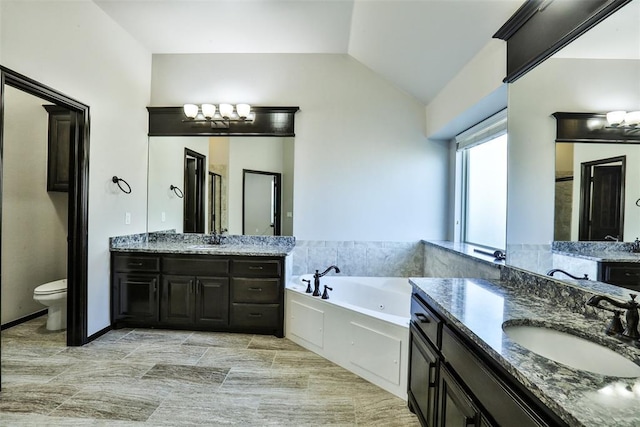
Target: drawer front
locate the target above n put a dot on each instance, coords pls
(495, 396)
(129, 263)
(196, 266)
(262, 316)
(624, 274)
(426, 321)
(255, 290)
(256, 268)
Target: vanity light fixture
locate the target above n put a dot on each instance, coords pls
(623, 119)
(219, 116)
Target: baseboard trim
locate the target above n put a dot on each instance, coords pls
(99, 334)
(24, 319)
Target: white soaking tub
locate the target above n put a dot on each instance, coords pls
(363, 326)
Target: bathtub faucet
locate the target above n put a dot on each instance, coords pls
(316, 279)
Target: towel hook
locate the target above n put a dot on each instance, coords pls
(638, 203)
(117, 181)
(177, 191)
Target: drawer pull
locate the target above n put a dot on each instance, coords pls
(255, 289)
(432, 375)
(135, 264)
(422, 317)
(255, 314)
(255, 267)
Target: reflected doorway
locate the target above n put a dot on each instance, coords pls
(194, 185)
(215, 203)
(261, 195)
(602, 199)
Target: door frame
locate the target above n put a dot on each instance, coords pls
(201, 182)
(586, 176)
(277, 222)
(78, 217)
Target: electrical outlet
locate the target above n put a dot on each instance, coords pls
(127, 218)
(164, 216)
(289, 214)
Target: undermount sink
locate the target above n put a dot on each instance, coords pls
(572, 351)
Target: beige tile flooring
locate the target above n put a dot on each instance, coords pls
(132, 377)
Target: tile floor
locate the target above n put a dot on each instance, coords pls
(144, 377)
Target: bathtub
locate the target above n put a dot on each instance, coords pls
(363, 326)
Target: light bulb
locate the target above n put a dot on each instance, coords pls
(614, 118)
(208, 110)
(190, 110)
(226, 110)
(632, 118)
(243, 110)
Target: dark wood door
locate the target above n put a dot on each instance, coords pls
(190, 196)
(423, 379)
(135, 297)
(456, 408)
(606, 202)
(178, 299)
(212, 301)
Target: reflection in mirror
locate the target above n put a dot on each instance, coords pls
(596, 73)
(595, 192)
(261, 203)
(225, 160)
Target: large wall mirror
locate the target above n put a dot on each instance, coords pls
(188, 196)
(598, 72)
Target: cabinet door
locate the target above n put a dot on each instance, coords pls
(423, 379)
(212, 301)
(456, 408)
(178, 297)
(135, 297)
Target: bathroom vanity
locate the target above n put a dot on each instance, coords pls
(234, 287)
(465, 371)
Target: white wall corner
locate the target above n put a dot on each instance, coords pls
(475, 93)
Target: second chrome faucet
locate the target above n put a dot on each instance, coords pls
(317, 276)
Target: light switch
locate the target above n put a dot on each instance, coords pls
(289, 214)
(127, 218)
(164, 216)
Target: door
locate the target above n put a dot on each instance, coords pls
(177, 302)
(194, 192)
(602, 199)
(261, 197)
(423, 379)
(212, 301)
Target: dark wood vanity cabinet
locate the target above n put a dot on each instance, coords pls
(135, 287)
(206, 292)
(452, 382)
(624, 274)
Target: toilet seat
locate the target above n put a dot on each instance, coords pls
(51, 288)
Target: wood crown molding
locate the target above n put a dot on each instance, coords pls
(592, 128)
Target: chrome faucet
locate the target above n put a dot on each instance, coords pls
(316, 279)
(557, 270)
(609, 237)
(630, 331)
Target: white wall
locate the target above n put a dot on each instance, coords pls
(364, 169)
(85, 55)
(571, 85)
(166, 168)
(34, 221)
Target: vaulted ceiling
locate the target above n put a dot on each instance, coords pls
(418, 45)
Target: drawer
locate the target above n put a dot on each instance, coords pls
(503, 403)
(255, 290)
(263, 316)
(426, 321)
(195, 266)
(624, 274)
(256, 268)
(131, 263)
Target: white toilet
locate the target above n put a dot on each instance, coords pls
(54, 296)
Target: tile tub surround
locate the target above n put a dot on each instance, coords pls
(137, 377)
(574, 395)
(454, 259)
(193, 243)
(359, 258)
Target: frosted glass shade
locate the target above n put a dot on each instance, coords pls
(208, 110)
(632, 118)
(226, 110)
(243, 110)
(190, 110)
(614, 118)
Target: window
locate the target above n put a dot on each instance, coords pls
(482, 153)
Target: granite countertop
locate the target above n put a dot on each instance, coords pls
(480, 308)
(178, 243)
(602, 256)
